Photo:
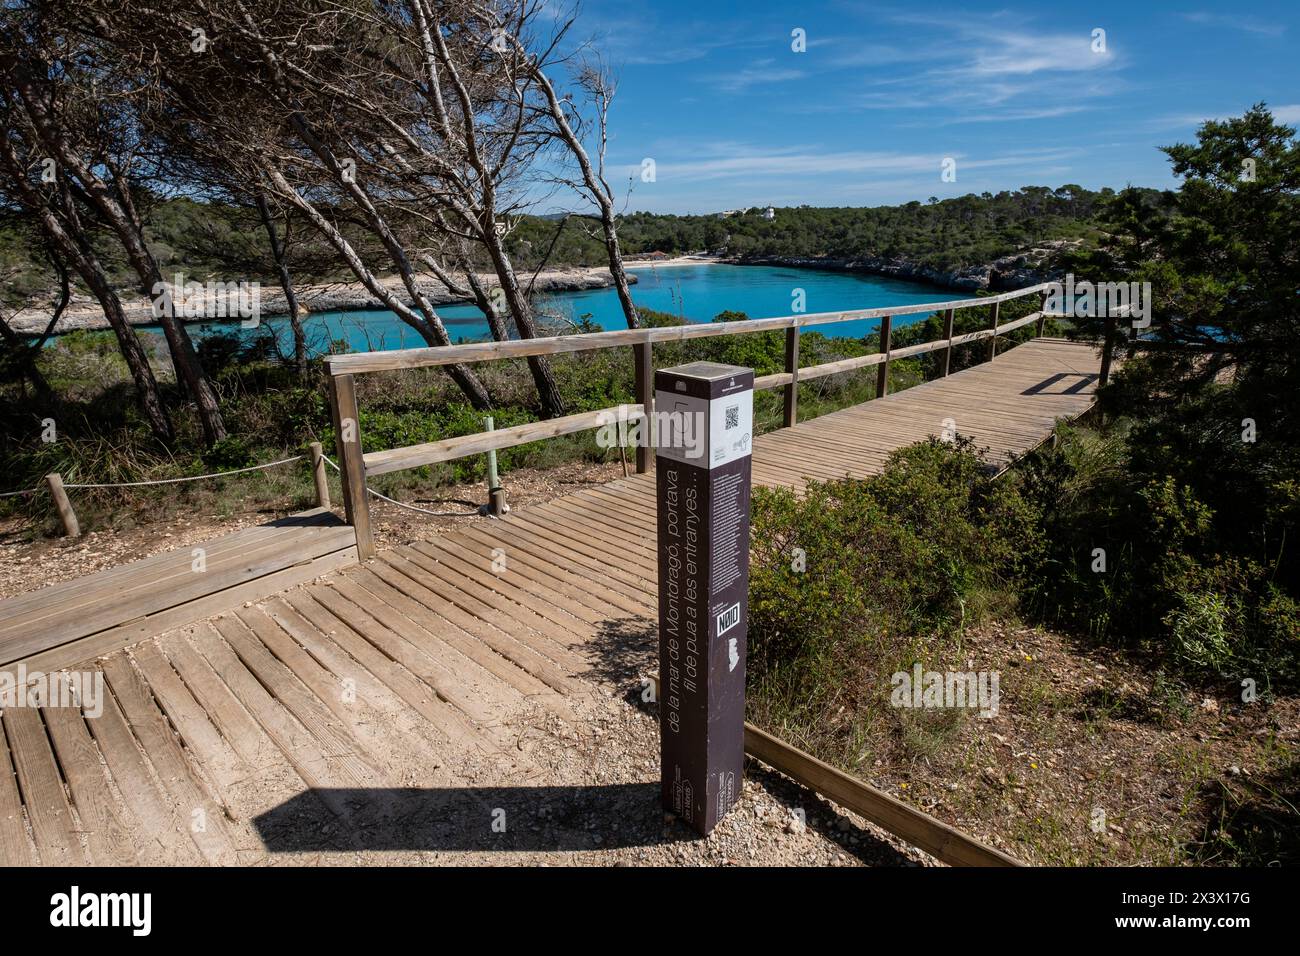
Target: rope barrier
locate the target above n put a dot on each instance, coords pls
(424, 511)
(25, 491)
(173, 481)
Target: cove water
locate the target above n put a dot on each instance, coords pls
(696, 293)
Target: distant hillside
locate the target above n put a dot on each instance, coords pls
(938, 238)
(955, 242)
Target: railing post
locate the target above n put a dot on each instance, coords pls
(318, 475)
(1107, 351)
(948, 316)
(496, 494)
(643, 358)
(882, 374)
(69, 517)
(352, 469)
(792, 367)
(1042, 313)
(993, 324)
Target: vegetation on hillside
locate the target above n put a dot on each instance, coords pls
(1162, 534)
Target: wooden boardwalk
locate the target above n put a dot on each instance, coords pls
(296, 725)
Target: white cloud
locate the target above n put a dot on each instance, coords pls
(753, 163)
(761, 73)
(1245, 24)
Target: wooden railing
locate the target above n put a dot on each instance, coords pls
(355, 467)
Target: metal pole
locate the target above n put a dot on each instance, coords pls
(496, 494)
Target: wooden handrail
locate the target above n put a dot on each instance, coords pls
(359, 362)
(357, 467)
(413, 456)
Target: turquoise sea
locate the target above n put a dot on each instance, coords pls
(695, 292)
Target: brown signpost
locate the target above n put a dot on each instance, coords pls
(703, 437)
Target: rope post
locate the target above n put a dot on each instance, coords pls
(69, 517)
(645, 396)
(496, 494)
(352, 469)
(792, 367)
(948, 317)
(882, 375)
(318, 474)
(993, 324)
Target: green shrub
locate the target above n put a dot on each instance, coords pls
(858, 579)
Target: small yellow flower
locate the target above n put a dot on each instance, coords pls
(1034, 766)
(903, 786)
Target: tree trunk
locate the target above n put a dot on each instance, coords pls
(435, 335)
(79, 253)
(547, 389)
(290, 298)
(616, 268)
(184, 358)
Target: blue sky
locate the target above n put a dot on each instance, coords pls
(1017, 95)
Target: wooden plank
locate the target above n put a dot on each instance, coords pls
(411, 725)
(428, 657)
(53, 827)
(76, 652)
(188, 796)
(397, 757)
(790, 398)
(396, 589)
(223, 766)
(935, 837)
(96, 611)
(164, 838)
(244, 734)
(108, 833)
(65, 592)
(315, 762)
(454, 723)
(418, 695)
(15, 848)
(428, 591)
(349, 762)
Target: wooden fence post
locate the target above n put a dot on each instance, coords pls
(318, 475)
(993, 324)
(882, 375)
(352, 469)
(69, 517)
(1042, 313)
(643, 357)
(792, 367)
(948, 316)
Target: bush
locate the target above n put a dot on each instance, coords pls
(855, 579)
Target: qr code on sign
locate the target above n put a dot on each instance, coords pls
(733, 416)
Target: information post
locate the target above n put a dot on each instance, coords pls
(703, 434)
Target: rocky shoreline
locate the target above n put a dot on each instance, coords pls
(1024, 268)
(83, 311)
